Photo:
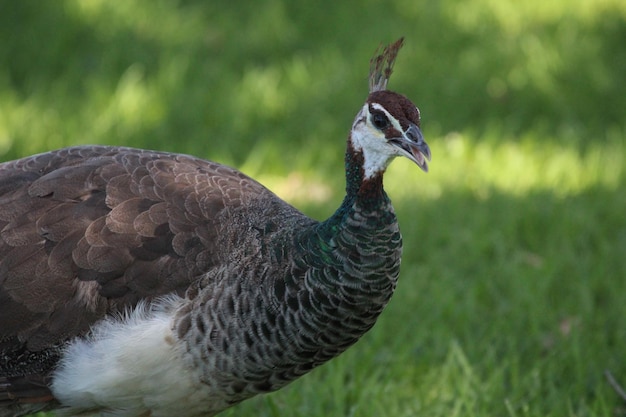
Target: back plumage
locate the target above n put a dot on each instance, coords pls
(137, 283)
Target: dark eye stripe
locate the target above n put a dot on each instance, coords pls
(391, 133)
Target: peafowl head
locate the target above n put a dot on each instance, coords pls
(388, 124)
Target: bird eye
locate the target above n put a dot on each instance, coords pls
(380, 120)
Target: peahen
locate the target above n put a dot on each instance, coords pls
(143, 283)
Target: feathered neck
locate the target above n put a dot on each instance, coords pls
(362, 194)
(367, 192)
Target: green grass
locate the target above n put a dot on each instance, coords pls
(511, 299)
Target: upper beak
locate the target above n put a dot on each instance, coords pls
(413, 146)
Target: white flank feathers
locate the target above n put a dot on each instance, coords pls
(129, 367)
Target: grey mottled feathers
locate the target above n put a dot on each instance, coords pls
(104, 228)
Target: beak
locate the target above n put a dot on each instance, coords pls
(413, 146)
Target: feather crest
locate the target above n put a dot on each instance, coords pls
(381, 65)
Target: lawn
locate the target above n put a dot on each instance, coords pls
(513, 284)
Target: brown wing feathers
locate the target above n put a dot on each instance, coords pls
(90, 230)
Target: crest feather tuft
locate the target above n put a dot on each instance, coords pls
(381, 65)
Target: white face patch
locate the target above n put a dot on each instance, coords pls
(377, 151)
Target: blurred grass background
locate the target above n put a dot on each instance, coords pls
(511, 299)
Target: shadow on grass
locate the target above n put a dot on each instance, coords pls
(504, 303)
